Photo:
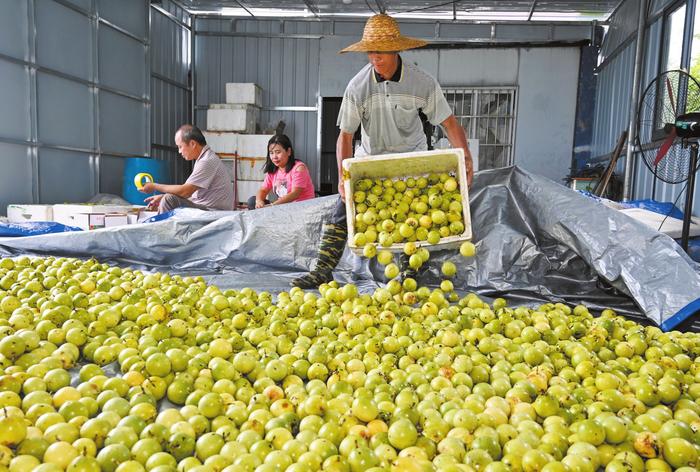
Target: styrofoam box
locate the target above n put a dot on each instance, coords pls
(20, 213)
(222, 142)
(145, 214)
(671, 226)
(231, 117)
(89, 221)
(247, 189)
(116, 219)
(410, 164)
(247, 93)
(67, 213)
(253, 145)
(249, 168)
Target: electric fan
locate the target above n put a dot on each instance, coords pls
(668, 131)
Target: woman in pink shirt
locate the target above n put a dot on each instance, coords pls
(286, 176)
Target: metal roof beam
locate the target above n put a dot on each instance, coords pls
(532, 10)
(245, 8)
(312, 8)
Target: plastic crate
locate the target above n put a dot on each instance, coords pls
(411, 164)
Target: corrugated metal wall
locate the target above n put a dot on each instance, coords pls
(296, 62)
(286, 68)
(171, 86)
(613, 102)
(78, 77)
(72, 108)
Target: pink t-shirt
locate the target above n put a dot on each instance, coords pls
(283, 182)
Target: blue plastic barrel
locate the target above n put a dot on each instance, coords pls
(137, 165)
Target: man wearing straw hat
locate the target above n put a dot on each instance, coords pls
(384, 99)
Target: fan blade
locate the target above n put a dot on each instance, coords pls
(669, 89)
(661, 153)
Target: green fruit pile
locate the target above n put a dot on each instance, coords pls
(393, 211)
(401, 379)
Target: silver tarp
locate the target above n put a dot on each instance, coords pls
(536, 240)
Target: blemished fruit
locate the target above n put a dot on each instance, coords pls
(404, 378)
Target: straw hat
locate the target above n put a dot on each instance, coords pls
(382, 35)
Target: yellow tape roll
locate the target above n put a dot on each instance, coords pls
(139, 178)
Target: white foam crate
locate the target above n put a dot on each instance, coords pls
(249, 168)
(247, 189)
(410, 164)
(229, 117)
(68, 214)
(222, 142)
(253, 145)
(247, 93)
(17, 213)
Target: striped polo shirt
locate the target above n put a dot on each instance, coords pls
(214, 189)
(387, 110)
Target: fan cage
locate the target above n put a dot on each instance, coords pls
(670, 94)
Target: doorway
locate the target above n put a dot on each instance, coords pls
(330, 106)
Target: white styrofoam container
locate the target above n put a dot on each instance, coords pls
(249, 168)
(667, 225)
(20, 213)
(253, 145)
(224, 143)
(228, 165)
(89, 221)
(67, 213)
(231, 117)
(409, 164)
(116, 219)
(247, 93)
(145, 214)
(247, 189)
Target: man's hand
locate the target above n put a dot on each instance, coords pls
(470, 167)
(458, 139)
(259, 203)
(343, 150)
(153, 201)
(148, 187)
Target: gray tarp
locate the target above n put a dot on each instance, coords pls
(536, 240)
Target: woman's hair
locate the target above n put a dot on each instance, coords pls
(286, 143)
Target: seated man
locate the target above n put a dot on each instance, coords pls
(207, 188)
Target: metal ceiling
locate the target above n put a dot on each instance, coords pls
(460, 10)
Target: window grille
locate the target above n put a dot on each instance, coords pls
(487, 114)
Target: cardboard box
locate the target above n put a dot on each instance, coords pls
(410, 164)
(67, 213)
(116, 219)
(246, 93)
(253, 145)
(230, 117)
(224, 143)
(22, 213)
